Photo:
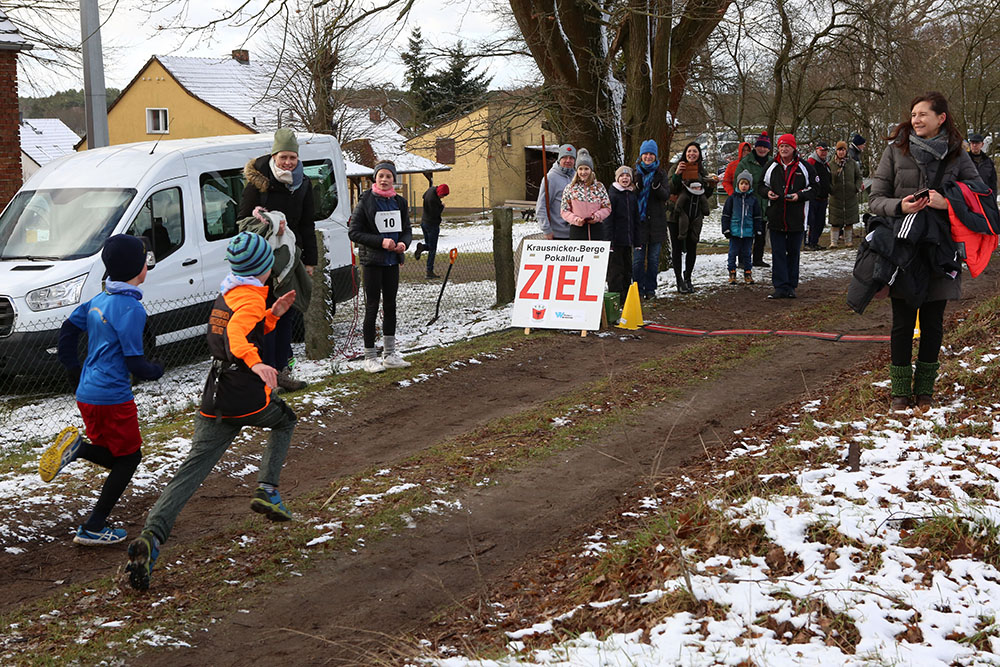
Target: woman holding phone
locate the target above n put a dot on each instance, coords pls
(925, 151)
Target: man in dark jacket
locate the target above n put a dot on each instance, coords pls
(984, 163)
(430, 224)
(819, 161)
(789, 184)
(856, 152)
(756, 163)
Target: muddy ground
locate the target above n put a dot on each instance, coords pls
(354, 602)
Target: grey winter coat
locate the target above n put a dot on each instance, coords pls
(899, 175)
(845, 193)
(553, 223)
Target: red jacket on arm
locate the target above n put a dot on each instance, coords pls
(730, 173)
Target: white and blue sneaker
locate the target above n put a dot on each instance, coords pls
(98, 538)
(60, 453)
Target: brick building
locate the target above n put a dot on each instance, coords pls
(11, 43)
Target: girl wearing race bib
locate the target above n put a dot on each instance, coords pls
(380, 226)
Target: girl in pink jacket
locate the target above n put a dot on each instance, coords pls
(585, 202)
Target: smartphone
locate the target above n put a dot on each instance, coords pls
(921, 194)
(789, 196)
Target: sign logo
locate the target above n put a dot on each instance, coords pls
(538, 313)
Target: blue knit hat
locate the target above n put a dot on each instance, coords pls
(249, 254)
(123, 256)
(649, 146)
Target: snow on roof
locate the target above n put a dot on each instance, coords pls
(354, 169)
(10, 37)
(385, 140)
(45, 139)
(238, 89)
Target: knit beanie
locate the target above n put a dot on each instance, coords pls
(649, 146)
(788, 139)
(124, 256)
(249, 254)
(566, 150)
(583, 158)
(745, 175)
(384, 164)
(442, 190)
(841, 144)
(624, 169)
(763, 140)
(284, 140)
(858, 140)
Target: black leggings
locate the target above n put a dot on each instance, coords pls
(122, 468)
(380, 281)
(679, 247)
(904, 318)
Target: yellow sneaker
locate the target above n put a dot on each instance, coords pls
(59, 454)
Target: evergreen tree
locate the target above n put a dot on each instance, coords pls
(418, 78)
(458, 88)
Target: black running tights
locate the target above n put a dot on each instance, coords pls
(380, 281)
(904, 318)
(122, 468)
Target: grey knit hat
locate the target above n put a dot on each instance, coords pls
(284, 140)
(566, 150)
(745, 175)
(384, 164)
(583, 158)
(624, 169)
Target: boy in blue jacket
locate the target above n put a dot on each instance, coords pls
(114, 321)
(741, 222)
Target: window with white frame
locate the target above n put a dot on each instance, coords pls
(157, 121)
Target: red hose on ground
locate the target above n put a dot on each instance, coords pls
(820, 335)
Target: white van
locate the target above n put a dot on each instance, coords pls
(181, 195)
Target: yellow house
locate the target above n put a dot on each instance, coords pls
(495, 155)
(176, 97)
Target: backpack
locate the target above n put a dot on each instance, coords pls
(975, 220)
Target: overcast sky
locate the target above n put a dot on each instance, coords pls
(130, 38)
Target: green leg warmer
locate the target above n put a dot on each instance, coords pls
(901, 377)
(923, 378)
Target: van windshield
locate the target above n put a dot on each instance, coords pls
(66, 223)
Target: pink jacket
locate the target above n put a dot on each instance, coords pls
(580, 202)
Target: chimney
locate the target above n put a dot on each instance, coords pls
(241, 55)
(375, 115)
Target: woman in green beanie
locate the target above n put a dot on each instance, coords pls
(277, 182)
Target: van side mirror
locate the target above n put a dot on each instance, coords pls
(150, 255)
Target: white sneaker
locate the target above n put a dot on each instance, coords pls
(395, 360)
(373, 365)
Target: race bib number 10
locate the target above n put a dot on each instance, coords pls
(388, 222)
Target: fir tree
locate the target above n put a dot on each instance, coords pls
(458, 89)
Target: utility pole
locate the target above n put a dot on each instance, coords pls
(95, 95)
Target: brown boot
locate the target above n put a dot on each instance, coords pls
(899, 404)
(732, 277)
(923, 402)
(748, 278)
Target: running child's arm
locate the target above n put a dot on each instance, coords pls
(69, 340)
(129, 329)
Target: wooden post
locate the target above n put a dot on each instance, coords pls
(319, 317)
(503, 254)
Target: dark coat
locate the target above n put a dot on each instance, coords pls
(987, 170)
(653, 228)
(798, 178)
(433, 208)
(899, 175)
(362, 230)
(822, 170)
(622, 226)
(263, 189)
(845, 193)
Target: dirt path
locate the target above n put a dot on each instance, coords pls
(400, 583)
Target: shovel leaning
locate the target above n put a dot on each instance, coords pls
(452, 254)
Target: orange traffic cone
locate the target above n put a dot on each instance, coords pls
(632, 311)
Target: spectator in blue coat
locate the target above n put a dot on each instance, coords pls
(742, 222)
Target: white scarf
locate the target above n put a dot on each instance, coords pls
(280, 174)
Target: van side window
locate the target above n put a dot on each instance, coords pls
(161, 222)
(324, 183)
(220, 199)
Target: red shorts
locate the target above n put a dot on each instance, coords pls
(114, 427)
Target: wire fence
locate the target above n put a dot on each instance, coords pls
(36, 399)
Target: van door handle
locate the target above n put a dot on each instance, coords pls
(189, 262)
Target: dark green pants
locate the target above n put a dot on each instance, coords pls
(212, 438)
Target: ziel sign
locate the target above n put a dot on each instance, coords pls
(560, 285)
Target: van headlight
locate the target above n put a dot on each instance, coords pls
(63, 294)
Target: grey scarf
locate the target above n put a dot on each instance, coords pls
(929, 150)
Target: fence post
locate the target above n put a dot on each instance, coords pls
(318, 319)
(503, 253)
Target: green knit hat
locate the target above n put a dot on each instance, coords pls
(284, 140)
